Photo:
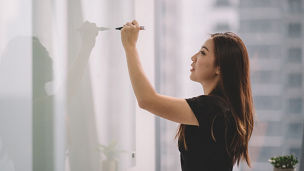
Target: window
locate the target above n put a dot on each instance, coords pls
(222, 27)
(295, 6)
(260, 26)
(295, 80)
(266, 153)
(294, 130)
(295, 30)
(267, 102)
(264, 51)
(265, 77)
(295, 151)
(295, 105)
(266, 36)
(220, 3)
(295, 55)
(274, 128)
(258, 3)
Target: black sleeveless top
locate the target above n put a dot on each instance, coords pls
(205, 154)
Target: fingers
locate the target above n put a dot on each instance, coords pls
(133, 24)
(125, 26)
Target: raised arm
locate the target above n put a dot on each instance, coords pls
(171, 108)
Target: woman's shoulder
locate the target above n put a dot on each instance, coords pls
(213, 101)
(211, 105)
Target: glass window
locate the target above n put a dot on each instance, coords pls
(265, 77)
(264, 51)
(295, 105)
(295, 30)
(295, 79)
(260, 25)
(267, 152)
(222, 27)
(267, 102)
(220, 3)
(295, 55)
(294, 130)
(274, 128)
(265, 35)
(295, 151)
(295, 6)
(258, 3)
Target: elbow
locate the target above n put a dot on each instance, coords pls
(141, 104)
(145, 103)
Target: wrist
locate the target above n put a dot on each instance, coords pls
(130, 48)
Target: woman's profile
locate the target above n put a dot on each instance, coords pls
(215, 128)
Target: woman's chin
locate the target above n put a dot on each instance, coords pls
(191, 77)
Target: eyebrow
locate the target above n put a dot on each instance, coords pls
(205, 47)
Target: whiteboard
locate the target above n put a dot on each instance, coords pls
(66, 98)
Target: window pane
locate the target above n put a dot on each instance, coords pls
(264, 51)
(295, 55)
(220, 3)
(295, 79)
(222, 27)
(294, 29)
(294, 130)
(295, 6)
(272, 33)
(260, 25)
(265, 77)
(258, 3)
(267, 102)
(295, 105)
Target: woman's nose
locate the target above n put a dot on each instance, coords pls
(193, 57)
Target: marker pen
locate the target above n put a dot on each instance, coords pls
(118, 28)
(141, 28)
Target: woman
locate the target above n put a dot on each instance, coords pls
(215, 128)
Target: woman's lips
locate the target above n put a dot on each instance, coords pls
(192, 69)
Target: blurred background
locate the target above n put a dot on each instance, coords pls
(66, 101)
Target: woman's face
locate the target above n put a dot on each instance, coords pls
(203, 68)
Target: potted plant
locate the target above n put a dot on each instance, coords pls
(283, 163)
(111, 154)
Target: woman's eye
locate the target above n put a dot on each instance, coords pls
(202, 52)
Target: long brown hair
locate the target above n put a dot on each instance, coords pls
(232, 58)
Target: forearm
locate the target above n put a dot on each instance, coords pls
(140, 83)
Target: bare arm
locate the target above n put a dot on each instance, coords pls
(171, 108)
(142, 88)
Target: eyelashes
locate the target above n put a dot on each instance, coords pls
(202, 52)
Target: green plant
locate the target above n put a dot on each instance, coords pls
(284, 162)
(110, 151)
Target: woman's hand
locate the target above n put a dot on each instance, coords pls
(129, 34)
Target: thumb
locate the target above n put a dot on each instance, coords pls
(135, 23)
